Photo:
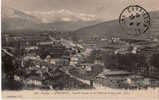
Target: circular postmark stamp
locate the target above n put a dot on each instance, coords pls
(135, 20)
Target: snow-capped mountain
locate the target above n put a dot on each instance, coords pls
(62, 15)
(59, 20)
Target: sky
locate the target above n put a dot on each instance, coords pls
(109, 9)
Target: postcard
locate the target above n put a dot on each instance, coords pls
(80, 49)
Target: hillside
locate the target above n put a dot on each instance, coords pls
(112, 29)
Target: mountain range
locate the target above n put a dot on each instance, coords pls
(55, 20)
(84, 26)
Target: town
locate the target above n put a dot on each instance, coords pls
(44, 61)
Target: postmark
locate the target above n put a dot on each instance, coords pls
(135, 20)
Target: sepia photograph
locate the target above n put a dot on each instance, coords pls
(66, 46)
